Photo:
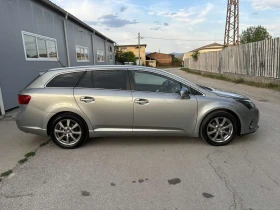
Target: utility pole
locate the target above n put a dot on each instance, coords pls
(232, 23)
(139, 48)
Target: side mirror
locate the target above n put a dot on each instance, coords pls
(185, 93)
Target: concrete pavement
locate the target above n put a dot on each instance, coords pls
(157, 172)
(14, 144)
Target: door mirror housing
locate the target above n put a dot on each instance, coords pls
(185, 93)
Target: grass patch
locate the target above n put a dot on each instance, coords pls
(30, 154)
(44, 144)
(22, 160)
(272, 86)
(6, 173)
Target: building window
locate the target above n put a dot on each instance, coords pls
(100, 56)
(82, 54)
(123, 48)
(39, 47)
(110, 49)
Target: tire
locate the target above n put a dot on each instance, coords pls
(221, 132)
(68, 131)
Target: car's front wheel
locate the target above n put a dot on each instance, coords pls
(68, 131)
(218, 128)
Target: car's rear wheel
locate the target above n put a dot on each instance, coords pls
(218, 128)
(68, 131)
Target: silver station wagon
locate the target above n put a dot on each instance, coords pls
(73, 104)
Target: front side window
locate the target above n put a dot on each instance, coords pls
(100, 56)
(39, 47)
(146, 81)
(107, 79)
(65, 80)
(82, 54)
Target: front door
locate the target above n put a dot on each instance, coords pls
(105, 97)
(158, 107)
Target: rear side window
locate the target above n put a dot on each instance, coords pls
(106, 79)
(65, 80)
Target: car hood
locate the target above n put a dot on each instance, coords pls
(224, 93)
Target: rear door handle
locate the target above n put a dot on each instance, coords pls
(87, 99)
(141, 101)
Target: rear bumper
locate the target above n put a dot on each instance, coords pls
(250, 122)
(33, 130)
(30, 122)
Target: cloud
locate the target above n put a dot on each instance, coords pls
(111, 20)
(123, 8)
(101, 14)
(156, 22)
(192, 15)
(155, 29)
(166, 24)
(266, 4)
(90, 22)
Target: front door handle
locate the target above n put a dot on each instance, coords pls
(141, 101)
(87, 99)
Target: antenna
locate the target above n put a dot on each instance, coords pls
(232, 23)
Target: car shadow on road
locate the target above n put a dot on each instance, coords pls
(147, 140)
(163, 140)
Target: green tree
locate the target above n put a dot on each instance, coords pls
(174, 59)
(129, 57)
(195, 55)
(125, 56)
(118, 55)
(254, 34)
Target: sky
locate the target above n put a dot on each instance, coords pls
(180, 24)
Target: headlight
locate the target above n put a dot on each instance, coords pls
(248, 103)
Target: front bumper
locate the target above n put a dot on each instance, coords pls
(250, 122)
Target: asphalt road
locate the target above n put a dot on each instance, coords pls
(157, 173)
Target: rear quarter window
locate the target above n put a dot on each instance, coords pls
(65, 80)
(104, 79)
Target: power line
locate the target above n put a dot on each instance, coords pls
(125, 39)
(187, 40)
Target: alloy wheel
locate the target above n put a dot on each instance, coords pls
(220, 129)
(67, 132)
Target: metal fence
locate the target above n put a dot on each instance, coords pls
(255, 59)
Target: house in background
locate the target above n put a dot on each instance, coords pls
(134, 49)
(161, 58)
(205, 49)
(36, 35)
(151, 62)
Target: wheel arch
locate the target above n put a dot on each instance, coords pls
(65, 112)
(225, 110)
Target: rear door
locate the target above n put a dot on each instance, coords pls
(158, 106)
(105, 97)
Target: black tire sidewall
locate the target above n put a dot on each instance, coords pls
(84, 135)
(211, 116)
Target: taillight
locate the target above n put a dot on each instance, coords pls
(24, 99)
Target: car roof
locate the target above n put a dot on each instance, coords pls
(102, 67)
